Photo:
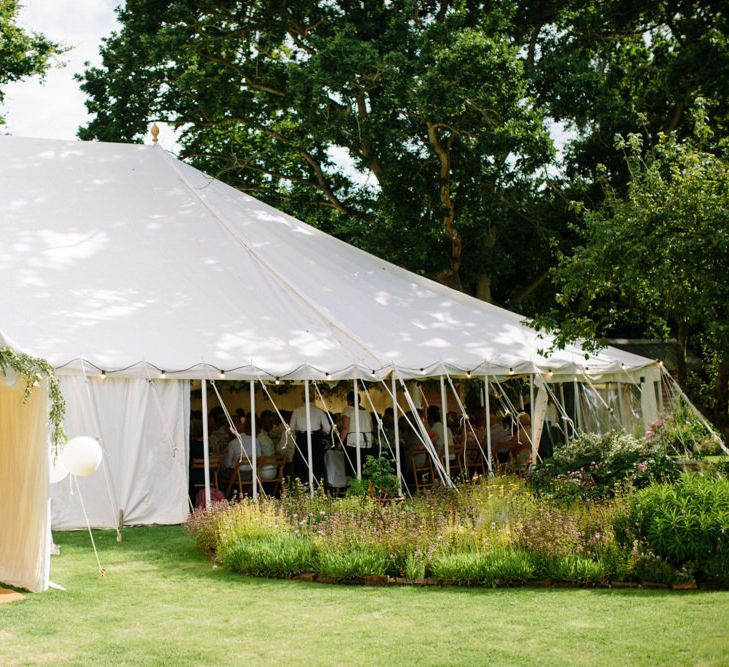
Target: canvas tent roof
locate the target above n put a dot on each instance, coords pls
(131, 260)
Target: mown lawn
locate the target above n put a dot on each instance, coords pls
(162, 603)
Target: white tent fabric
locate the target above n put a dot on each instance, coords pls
(143, 430)
(25, 536)
(129, 259)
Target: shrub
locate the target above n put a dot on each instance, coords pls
(686, 524)
(202, 524)
(355, 562)
(499, 566)
(414, 566)
(378, 479)
(249, 519)
(279, 556)
(646, 566)
(597, 466)
(683, 434)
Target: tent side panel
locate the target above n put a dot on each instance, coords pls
(142, 427)
(24, 517)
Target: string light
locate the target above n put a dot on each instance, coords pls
(468, 374)
(162, 375)
(222, 375)
(278, 381)
(328, 376)
(511, 371)
(103, 375)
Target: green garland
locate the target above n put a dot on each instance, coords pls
(33, 370)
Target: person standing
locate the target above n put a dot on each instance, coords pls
(319, 426)
(349, 435)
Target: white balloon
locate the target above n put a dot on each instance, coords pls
(82, 456)
(56, 470)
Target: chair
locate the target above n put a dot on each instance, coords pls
(271, 481)
(197, 471)
(422, 468)
(475, 460)
(237, 480)
(455, 451)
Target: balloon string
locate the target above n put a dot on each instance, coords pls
(102, 571)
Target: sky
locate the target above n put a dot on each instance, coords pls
(55, 109)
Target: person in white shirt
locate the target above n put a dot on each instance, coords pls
(266, 444)
(349, 434)
(437, 431)
(319, 425)
(233, 454)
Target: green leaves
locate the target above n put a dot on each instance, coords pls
(32, 370)
(22, 53)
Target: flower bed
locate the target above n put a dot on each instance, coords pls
(491, 532)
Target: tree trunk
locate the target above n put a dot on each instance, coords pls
(721, 397)
(682, 349)
(483, 290)
(450, 276)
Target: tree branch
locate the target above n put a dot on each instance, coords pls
(451, 275)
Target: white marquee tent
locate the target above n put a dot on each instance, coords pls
(121, 262)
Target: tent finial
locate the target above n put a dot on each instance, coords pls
(155, 133)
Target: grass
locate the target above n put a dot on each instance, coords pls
(161, 602)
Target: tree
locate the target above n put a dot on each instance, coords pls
(610, 67)
(22, 53)
(657, 258)
(427, 103)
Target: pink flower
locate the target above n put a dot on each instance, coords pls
(649, 436)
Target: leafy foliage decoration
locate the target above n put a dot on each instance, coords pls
(32, 370)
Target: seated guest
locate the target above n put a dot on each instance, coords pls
(218, 430)
(501, 439)
(437, 431)
(234, 454)
(266, 444)
(408, 440)
(522, 448)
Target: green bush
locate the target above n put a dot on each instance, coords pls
(378, 479)
(493, 568)
(203, 525)
(276, 556)
(597, 466)
(684, 433)
(686, 524)
(356, 562)
(649, 567)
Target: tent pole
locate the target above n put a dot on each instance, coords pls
(578, 408)
(487, 403)
(531, 417)
(444, 424)
(252, 385)
(357, 428)
(396, 426)
(620, 404)
(309, 454)
(206, 442)
(565, 423)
